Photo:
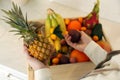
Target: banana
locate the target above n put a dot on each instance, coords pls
(47, 26)
(51, 41)
(59, 19)
(57, 44)
(54, 21)
(61, 22)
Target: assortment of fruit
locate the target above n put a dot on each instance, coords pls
(45, 41)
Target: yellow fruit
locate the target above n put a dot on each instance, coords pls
(53, 37)
(105, 45)
(95, 38)
(51, 30)
(67, 21)
(33, 35)
(61, 22)
(80, 19)
(54, 21)
(66, 32)
(57, 44)
(55, 60)
(83, 28)
(47, 26)
(64, 49)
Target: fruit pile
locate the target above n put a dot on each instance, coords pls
(56, 27)
(45, 41)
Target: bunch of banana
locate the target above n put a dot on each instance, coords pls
(52, 21)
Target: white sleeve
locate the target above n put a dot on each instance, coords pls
(95, 52)
(43, 74)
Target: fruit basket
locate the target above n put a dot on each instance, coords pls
(44, 38)
(55, 26)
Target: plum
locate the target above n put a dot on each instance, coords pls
(75, 35)
(64, 59)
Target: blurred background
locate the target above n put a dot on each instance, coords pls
(109, 9)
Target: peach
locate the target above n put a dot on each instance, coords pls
(105, 45)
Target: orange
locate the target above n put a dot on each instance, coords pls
(53, 36)
(59, 55)
(80, 56)
(95, 38)
(67, 21)
(55, 60)
(83, 28)
(80, 19)
(74, 24)
(66, 32)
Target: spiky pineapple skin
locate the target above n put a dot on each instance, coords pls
(39, 50)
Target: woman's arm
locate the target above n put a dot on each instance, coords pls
(87, 45)
(41, 71)
(92, 50)
(95, 52)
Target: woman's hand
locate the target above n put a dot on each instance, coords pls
(85, 39)
(33, 62)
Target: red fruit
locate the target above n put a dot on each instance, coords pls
(73, 60)
(55, 60)
(93, 18)
(90, 22)
(75, 35)
(80, 56)
(59, 55)
(64, 59)
(63, 42)
(74, 24)
(88, 31)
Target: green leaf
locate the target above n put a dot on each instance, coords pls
(58, 32)
(14, 31)
(15, 18)
(97, 30)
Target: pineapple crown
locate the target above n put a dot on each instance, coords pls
(16, 19)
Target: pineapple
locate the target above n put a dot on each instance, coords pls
(37, 44)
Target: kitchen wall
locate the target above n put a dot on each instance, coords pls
(109, 9)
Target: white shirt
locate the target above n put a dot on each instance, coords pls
(96, 54)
